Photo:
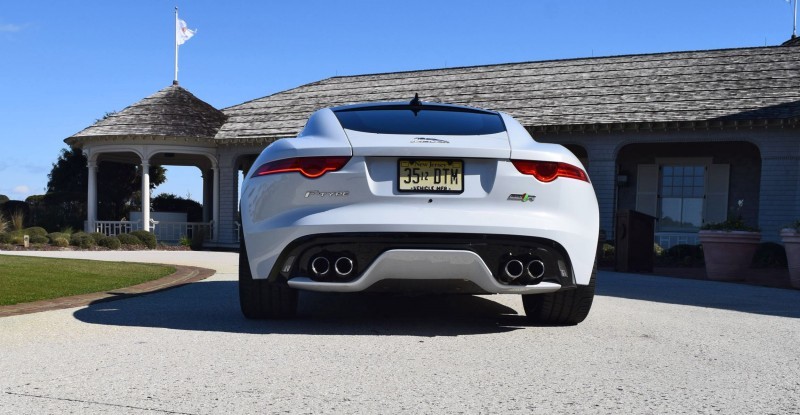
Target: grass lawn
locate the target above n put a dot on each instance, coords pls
(25, 279)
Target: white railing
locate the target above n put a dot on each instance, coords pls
(174, 231)
(164, 231)
(116, 227)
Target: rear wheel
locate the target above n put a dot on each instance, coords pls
(261, 299)
(561, 308)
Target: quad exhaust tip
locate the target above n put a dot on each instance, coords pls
(535, 269)
(514, 269)
(320, 266)
(343, 266)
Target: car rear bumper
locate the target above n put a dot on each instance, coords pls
(456, 271)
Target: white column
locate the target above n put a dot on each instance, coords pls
(215, 212)
(208, 197)
(146, 195)
(91, 201)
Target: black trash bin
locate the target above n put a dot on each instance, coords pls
(635, 236)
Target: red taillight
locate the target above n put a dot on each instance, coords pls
(547, 171)
(311, 167)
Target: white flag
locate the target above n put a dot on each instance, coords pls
(183, 33)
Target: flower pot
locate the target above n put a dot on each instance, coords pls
(728, 254)
(791, 241)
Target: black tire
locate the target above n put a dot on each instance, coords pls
(562, 308)
(261, 299)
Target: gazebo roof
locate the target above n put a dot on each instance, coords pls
(710, 86)
(170, 112)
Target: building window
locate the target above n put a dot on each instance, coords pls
(682, 190)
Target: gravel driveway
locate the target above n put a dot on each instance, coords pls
(650, 345)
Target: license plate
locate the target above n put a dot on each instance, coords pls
(430, 176)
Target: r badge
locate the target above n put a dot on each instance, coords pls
(521, 197)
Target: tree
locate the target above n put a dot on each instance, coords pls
(3, 199)
(168, 202)
(118, 187)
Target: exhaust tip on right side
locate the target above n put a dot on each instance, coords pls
(535, 270)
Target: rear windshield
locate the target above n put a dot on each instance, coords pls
(421, 120)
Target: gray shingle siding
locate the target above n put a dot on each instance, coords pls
(751, 83)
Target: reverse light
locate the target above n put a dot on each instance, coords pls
(311, 167)
(547, 171)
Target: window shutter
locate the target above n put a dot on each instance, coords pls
(647, 189)
(716, 203)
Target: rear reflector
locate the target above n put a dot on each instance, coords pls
(547, 171)
(311, 167)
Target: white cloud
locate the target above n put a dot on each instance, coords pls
(21, 189)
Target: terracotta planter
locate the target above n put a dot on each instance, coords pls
(791, 241)
(728, 254)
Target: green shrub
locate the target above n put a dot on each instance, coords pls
(82, 240)
(55, 235)
(3, 223)
(68, 230)
(110, 242)
(38, 239)
(60, 241)
(185, 241)
(147, 238)
(128, 239)
(35, 231)
(682, 255)
(97, 236)
(6, 238)
(770, 255)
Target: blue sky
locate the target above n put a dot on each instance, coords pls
(65, 64)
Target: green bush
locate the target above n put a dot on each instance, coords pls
(35, 231)
(38, 239)
(60, 241)
(681, 255)
(52, 236)
(97, 236)
(128, 239)
(185, 241)
(110, 242)
(147, 238)
(770, 255)
(3, 223)
(81, 240)
(6, 238)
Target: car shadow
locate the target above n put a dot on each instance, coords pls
(214, 306)
(710, 294)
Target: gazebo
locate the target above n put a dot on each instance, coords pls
(170, 127)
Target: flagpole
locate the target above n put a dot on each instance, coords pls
(175, 81)
(794, 27)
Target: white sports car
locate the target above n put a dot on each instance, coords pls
(418, 196)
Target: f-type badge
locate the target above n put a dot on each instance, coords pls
(427, 140)
(317, 193)
(521, 197)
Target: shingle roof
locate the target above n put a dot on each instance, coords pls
(748, 83)
(170, 112)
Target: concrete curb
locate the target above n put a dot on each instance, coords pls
(183, 275)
